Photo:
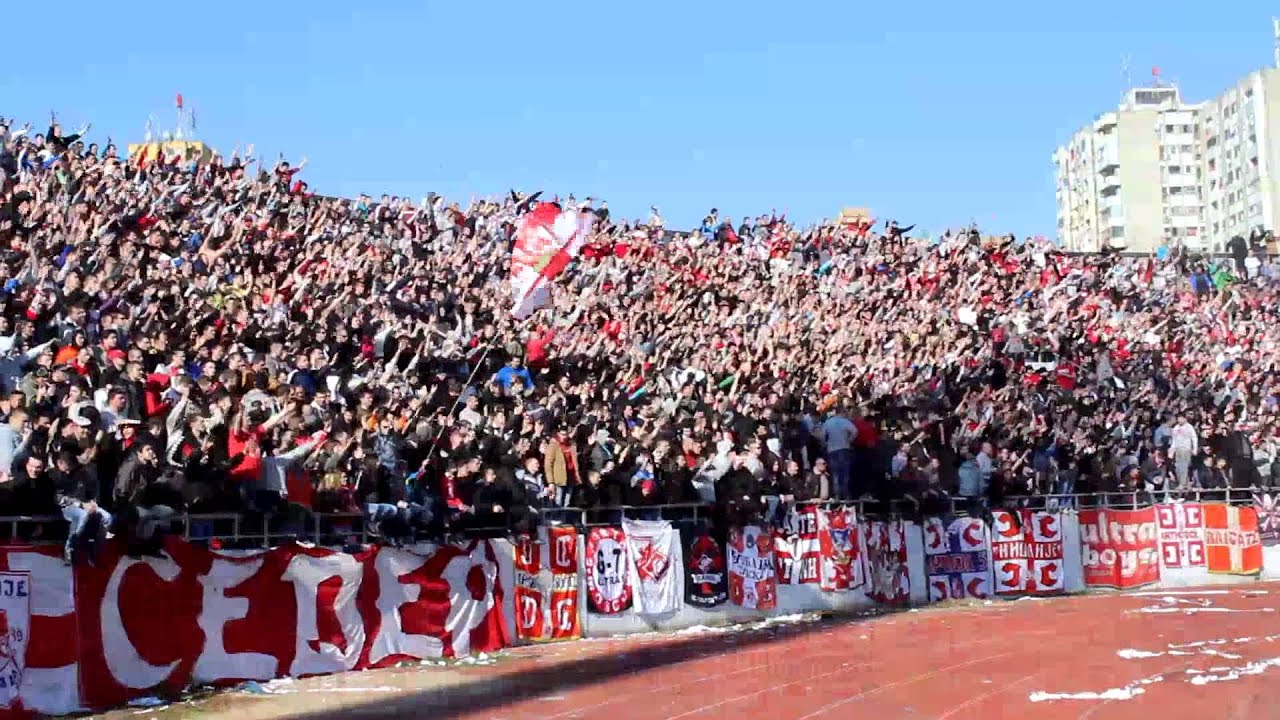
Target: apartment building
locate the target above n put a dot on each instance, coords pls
(1131, 179)
(1159, 170)
(1240, 151)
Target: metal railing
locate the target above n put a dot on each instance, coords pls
(336, 529)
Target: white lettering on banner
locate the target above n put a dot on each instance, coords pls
(216, 610)
(564, 613)
(1022, 550)
(314, 655)
(566, 550)
(1127, 533)
(468, 575)
(124, 662)
(1236, 538)
(1129, 559)
(527, 554)
(528, 612)
(15, 631)
(391, 566)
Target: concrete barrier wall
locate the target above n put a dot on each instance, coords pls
(793, 599)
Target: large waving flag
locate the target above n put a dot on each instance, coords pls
(546, 241)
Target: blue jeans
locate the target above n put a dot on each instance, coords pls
(413, 516)
(151, 518)
(841, 462)
(85, 525)
(380, 512)
(564, 495)
(775, 511)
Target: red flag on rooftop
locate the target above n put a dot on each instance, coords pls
(546, 241)
(1155, 72)
(179, 101)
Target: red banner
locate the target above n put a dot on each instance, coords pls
(1026, 555)
(1233, 544)
(562, 544)
(1119, 548)
(131, 626)
(528, 595)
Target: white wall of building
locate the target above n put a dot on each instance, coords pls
(1217, 169)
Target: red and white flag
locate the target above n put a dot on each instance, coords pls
(546, 241)
(656, 566)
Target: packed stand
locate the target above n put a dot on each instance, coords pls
(183, 336)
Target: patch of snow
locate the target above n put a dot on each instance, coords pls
(149, 701)
(1129, 654)
(1128, 692)
(1191, 610)
(1167, 593)
(702, 629)
(1235, 673)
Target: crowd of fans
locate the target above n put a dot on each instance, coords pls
(190, 335)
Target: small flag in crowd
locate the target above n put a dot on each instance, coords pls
(546, 241)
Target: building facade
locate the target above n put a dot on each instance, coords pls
(1162, 171)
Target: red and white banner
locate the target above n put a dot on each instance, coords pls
(957, 559)
(608, 577)
(566, 608)
(840, 545)
(753, 575)
(657, 566)
(1119, 548)
(530, 610)
(546, 593)
(38, 648)
(1181, 527)
(796, 548)
(546, 241)
(886, 545)
(1026, 556)
(1233, 545)
(129, 626)
(15, 628)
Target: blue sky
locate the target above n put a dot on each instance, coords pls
(933, 113)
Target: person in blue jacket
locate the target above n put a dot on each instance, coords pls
(512, 370)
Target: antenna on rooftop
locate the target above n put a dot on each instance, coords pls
(1127, 72)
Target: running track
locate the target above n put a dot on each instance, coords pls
(1122, 656)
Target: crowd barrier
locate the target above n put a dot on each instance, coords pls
(95, 635)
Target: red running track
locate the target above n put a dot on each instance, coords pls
(1165, 654)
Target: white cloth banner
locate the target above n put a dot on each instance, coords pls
(656, 567)
(15, 627)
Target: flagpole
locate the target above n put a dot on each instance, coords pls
(479, 363)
